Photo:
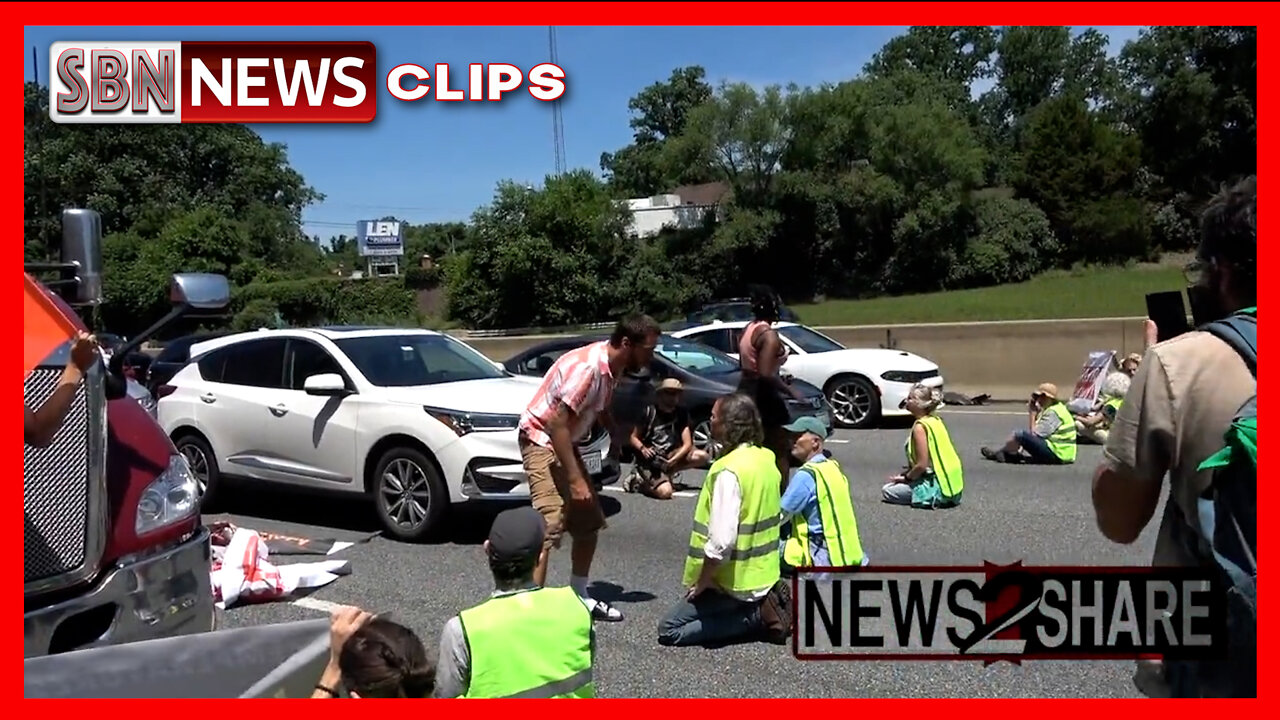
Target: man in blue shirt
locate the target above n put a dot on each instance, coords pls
(818, 505)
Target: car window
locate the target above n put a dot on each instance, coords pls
(256, 363)
(695, 357)
(407, 360)
(305, 359)
(538, 365)
(809, 340)
(718, 339)
(212, 365)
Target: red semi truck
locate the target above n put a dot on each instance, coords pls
(114, 550)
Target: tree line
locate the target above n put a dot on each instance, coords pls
(903, 179)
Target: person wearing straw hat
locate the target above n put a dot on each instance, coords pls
(663, 444)
(1050, 436)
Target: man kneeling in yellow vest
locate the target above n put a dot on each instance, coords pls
(824, 531)
(732, 571)
(525, 641)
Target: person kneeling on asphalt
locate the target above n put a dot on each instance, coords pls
(525, 641)
(1095, 426)
(663, 445)
(731, 571)
(933, 477)
(372, 657)
(1050, 437)
(817, 503)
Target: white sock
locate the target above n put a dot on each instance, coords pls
(579, 585)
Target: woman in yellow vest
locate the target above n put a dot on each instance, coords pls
(1095, 426)
(934, 477)
(1050, 435)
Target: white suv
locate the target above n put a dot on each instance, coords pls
(416, 419)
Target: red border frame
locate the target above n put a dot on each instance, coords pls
(338, 14)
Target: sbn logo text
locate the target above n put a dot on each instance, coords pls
(213, 82)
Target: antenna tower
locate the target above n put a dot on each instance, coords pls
(557, 118)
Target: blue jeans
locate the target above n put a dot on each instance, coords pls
(712, 617)
(1037, 447)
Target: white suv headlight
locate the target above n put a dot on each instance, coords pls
(171, 497)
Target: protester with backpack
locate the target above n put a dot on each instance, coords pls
(1191, 413)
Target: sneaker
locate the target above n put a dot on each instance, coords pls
(603, 611)
(993, 455)
(631, 483)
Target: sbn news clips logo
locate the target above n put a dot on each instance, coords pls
(1011, 613)
(261, 82)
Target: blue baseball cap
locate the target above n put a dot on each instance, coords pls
(808, 424)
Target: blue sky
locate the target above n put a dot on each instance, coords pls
(435, 162)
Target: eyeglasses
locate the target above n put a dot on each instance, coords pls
(1196, 272)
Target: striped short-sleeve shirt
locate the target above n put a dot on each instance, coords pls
(582, 380)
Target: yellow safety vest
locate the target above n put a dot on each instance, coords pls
(530, 644)
(1115, 404)
(944, 461)
(839, 525)
(752, 564)
(1063, 440)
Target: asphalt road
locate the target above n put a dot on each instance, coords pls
(1036, 514)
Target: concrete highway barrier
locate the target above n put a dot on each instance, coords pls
(1005, 359)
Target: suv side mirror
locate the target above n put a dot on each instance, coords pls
(327, 384)
(200, 291)
(82, 248)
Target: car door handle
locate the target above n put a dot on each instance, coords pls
(279, 410)
(209, 398)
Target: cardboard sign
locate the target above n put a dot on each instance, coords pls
(1091, 377)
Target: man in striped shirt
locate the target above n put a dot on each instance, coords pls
(578, 390)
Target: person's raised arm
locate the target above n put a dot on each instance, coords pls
(42, 425)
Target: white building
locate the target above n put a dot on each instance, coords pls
(683, 208)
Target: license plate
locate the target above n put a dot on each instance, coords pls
(592, 461)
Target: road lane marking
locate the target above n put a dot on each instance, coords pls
(837, 440)
(323, 606)
(984, 412)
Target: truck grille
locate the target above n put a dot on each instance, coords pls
(56, 486)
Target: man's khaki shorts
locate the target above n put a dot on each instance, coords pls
(549, 491)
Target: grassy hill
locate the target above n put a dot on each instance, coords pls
(1086, 293)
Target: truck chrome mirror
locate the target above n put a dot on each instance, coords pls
(82, 248)
(200, 291)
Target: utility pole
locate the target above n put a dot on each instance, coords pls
(557, 118)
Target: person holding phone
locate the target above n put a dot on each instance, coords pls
(1179, 406)
(1050, 436)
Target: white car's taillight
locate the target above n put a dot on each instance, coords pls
(172, 497)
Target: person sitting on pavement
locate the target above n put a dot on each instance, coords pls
(1129, 366)
(731, 566)
(817, 503)
(525, 641)
(663, 444)
(372, 657)
(1050, 437)
(1095, 426)
(934, 477)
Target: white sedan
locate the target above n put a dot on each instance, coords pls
(863, 385)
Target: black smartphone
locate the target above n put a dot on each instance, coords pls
(1204, 305)
(1169, 313)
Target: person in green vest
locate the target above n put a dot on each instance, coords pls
(1050, 437)
(817, 503)
(934, 477)
(525, 641)
(1095, 426)
(732, 561)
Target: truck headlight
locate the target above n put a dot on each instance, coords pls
(464, 423)
(171, 497)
